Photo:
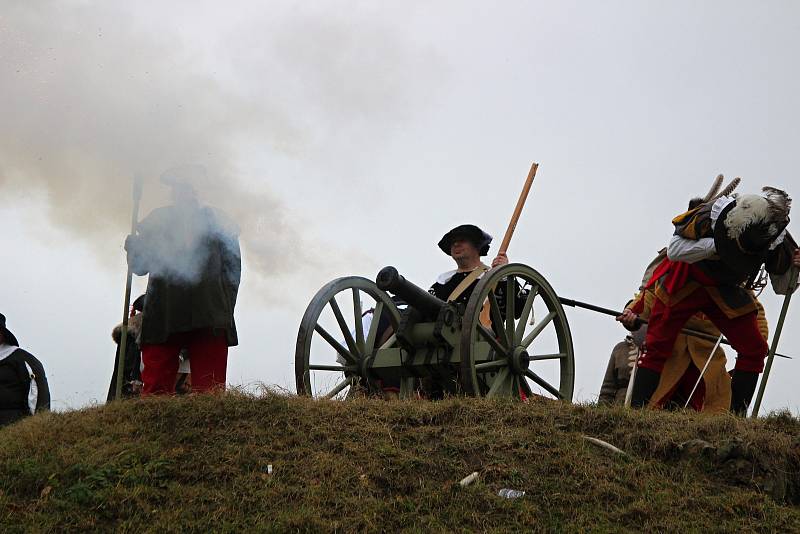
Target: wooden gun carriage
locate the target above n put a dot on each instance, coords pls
(356, 338)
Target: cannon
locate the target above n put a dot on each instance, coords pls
(363, 337)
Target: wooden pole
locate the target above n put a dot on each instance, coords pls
(123, 342)
(512, 225)
(774, 347)
(485, 317)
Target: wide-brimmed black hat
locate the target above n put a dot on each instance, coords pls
(138, 304)
(471, 233)
(8, 337)
(746, 253)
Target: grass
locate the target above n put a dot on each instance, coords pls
(199, 463)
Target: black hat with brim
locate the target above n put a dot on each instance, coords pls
(471, 233)
(138, 304)
(748, 252)
(8, 337)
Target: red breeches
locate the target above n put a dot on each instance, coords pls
(666, 323)
(208, 358)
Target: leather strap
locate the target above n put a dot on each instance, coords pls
(468, 281)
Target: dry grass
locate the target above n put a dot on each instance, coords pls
(200, 463)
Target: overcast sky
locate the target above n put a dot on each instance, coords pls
(346, 136)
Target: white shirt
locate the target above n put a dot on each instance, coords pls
(694, 250)
(6, 350)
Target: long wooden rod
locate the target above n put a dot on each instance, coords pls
(123, 342)
(512, 225)
(774, 346)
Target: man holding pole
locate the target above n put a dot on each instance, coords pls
(717, 249)
(466, 244)
(191, 254)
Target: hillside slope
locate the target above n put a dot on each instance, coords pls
(200, 463)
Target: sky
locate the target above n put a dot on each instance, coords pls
(346, 136)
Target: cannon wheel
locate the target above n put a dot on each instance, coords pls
(515, 348)
(358, 344)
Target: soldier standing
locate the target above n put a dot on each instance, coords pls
(191, 254)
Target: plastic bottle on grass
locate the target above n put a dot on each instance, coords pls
(507, 493)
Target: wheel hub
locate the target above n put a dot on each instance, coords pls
(520, 360)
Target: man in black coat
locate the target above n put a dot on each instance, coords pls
(23, 384)
(466, 244)
(191, 254)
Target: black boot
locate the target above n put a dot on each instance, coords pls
(644, 386)
(743, 385)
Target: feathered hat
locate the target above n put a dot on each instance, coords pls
(748, 226)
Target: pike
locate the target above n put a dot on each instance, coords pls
(778, 329)
(512, 225)
(123, 342)
(614, 313)
(523, 197)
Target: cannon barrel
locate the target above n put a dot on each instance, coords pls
(416, 297)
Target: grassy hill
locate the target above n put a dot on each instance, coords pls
(200, 463)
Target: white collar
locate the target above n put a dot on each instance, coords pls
(722, 202)
(716, 208)
(7, 350)
(446, 277)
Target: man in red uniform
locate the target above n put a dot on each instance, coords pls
(191, 254)
(717, 249)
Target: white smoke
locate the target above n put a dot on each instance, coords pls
(93, 93)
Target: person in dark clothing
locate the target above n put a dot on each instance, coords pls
(23, 383)
(466, 244)
(132, 375)
(191, 254)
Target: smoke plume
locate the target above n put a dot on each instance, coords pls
(94, 93)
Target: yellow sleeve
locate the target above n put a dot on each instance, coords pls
(763, 326)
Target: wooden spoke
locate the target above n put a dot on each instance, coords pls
(348, 337)
(526, 387)
(497, 319)
(389, 342)
(373, 327)
(339, 387)
(500, 383)
(538, 329)
(335, 344)
(542, 357)
(359, 322)
(489, 336)
(510, 311)
(515, 387)
(491, 366)
(407, 389)
(541, 382)
(338, 368)
(526, 313)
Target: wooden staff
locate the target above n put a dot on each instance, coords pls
(776, 336)
(123, 342)
(512, 225)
